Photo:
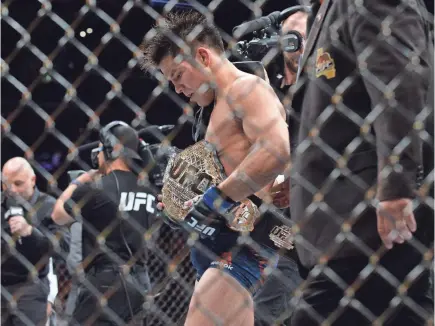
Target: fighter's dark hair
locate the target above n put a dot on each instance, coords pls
(185, 25)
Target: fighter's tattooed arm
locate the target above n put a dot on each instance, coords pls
(264, 124)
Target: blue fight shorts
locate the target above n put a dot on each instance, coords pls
(239, 261)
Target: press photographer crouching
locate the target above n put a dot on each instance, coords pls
(25, 246)
(115, 206)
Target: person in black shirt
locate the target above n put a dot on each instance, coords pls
(25, 243)
(115, 209)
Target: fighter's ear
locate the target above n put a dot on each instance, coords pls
(203, 56)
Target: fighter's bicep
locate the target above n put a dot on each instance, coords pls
(264, 119)
(259, 128)
(257, 105)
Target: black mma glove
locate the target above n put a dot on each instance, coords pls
(209, 213)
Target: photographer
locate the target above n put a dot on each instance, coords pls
(114, 208)
(25, 245)
(296, 22)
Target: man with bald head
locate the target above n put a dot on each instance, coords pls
(19, 178)
(26, 225)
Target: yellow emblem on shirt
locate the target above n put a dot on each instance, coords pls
(325, 65)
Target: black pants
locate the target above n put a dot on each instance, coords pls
(273, 302)
(124, 295)
(31, 303)
(375, 294)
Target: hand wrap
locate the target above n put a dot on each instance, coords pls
(209, 213)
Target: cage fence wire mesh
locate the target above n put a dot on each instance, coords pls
(74, 66)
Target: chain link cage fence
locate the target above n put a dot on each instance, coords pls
(69, 67)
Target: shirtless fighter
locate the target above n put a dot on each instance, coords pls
(249, 135)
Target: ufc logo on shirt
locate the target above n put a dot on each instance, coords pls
(132, 201)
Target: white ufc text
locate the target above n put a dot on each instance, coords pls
(132, 201)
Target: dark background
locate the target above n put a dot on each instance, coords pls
(41, 126)
(31, 125)
(45, 126)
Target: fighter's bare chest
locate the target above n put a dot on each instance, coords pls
(224, 130)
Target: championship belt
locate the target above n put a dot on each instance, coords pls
(282, 236)
(189, 174)
(273, 230)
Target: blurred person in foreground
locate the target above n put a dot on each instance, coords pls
(112, 203)
(26, 224)
(247, 140)
(364, 81)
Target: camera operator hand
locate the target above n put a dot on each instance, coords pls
(19, 226)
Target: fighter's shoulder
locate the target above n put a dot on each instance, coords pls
(248, 86)
(245, 80)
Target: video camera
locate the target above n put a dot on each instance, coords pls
(154, 156)
(268, 43)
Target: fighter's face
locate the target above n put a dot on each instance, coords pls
(190, 77)
(296, 22)
(20, 183)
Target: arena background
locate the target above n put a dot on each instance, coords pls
(50, 89)
(29, 119)
(39, 62)
(42, 118)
